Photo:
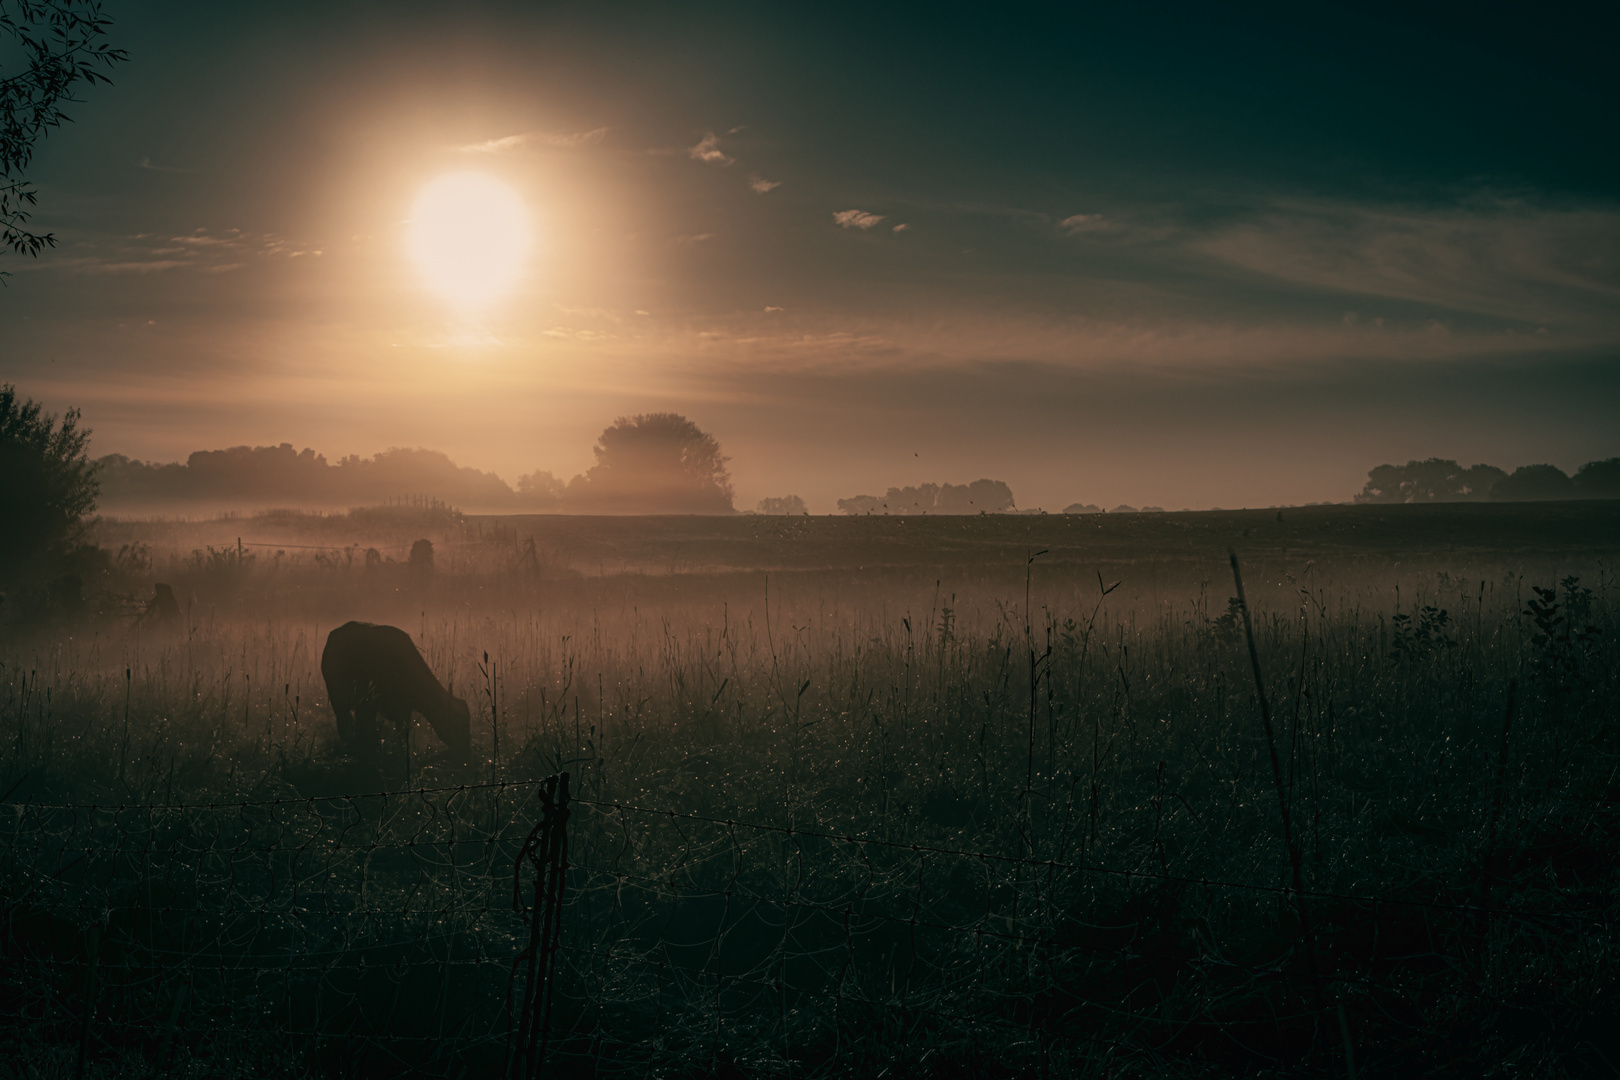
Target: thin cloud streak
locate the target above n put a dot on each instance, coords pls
(530, 138)
(1508, 261)
(856, 219)
(708, 151)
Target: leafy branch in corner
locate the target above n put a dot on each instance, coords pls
(62, 43)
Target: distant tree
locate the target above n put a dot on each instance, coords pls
(59, 46)
(1123, 508)
(862, 504)
(1082, 508)
(47, 482)
(1534, 483)
(540, 489)
(786, 504)
(1598, 479)
(979, 497)
(141, 481)
(282, 475)
(400, 472)
(261, 472)
(655, 463)
(1434, 480)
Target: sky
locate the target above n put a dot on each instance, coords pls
(1178, 255)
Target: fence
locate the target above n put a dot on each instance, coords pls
(388, 934)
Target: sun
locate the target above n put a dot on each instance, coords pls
(469, 233)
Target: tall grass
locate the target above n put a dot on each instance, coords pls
(1069, 723)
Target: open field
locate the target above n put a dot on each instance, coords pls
(926, 795)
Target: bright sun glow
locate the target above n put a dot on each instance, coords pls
(469, 234)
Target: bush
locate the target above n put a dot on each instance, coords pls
(47, 484)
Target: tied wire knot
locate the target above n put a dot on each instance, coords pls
(545, 850)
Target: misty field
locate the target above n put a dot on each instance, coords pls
(868, 796)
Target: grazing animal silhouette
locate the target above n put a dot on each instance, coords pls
(371, 669)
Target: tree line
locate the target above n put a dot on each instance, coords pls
(1443, 480)
(979, 497)
(651, 463)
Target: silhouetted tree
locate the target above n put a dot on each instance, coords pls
(47, 483)
(655, 463)
(1534, 483)
(1434, 480)
(399, 472)
(786, 504)
(1082, 508)
(1598, 479)
(60, 46)
(301, 477)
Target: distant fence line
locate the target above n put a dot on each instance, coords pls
(415, 918)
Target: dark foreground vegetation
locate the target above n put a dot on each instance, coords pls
(903, 797)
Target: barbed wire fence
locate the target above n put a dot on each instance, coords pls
(492, 929)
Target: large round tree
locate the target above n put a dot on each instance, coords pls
(47, 483)
(655, 463)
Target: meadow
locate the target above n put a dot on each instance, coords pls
(1000, 795)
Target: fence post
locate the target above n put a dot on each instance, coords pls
(546, 850)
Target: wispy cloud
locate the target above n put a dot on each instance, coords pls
(902, 227)
(763, 186)
(696, 238)
(146, 163)
(508, 143)
(856, 219)
(708, 151)
(199, 250)
(1504, 259)
(94, 265)
(203, 240)
(1076, 224)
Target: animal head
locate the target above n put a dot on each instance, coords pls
(458, 732)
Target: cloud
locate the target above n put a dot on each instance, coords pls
(579, 138)
(1499, 259)
(856, 219)
(200, 250)
(572, 334)
(902, 227)
(771, 307)
(146, 163)
(126, 266)
(1087, 223)
(761, 185)
(708, 151)
(203, 240)
(527, 138)
(697, 238)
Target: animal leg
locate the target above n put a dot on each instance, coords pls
(366, 737)
(401, 719)
(344, 711)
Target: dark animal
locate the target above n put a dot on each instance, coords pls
(372, 669)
